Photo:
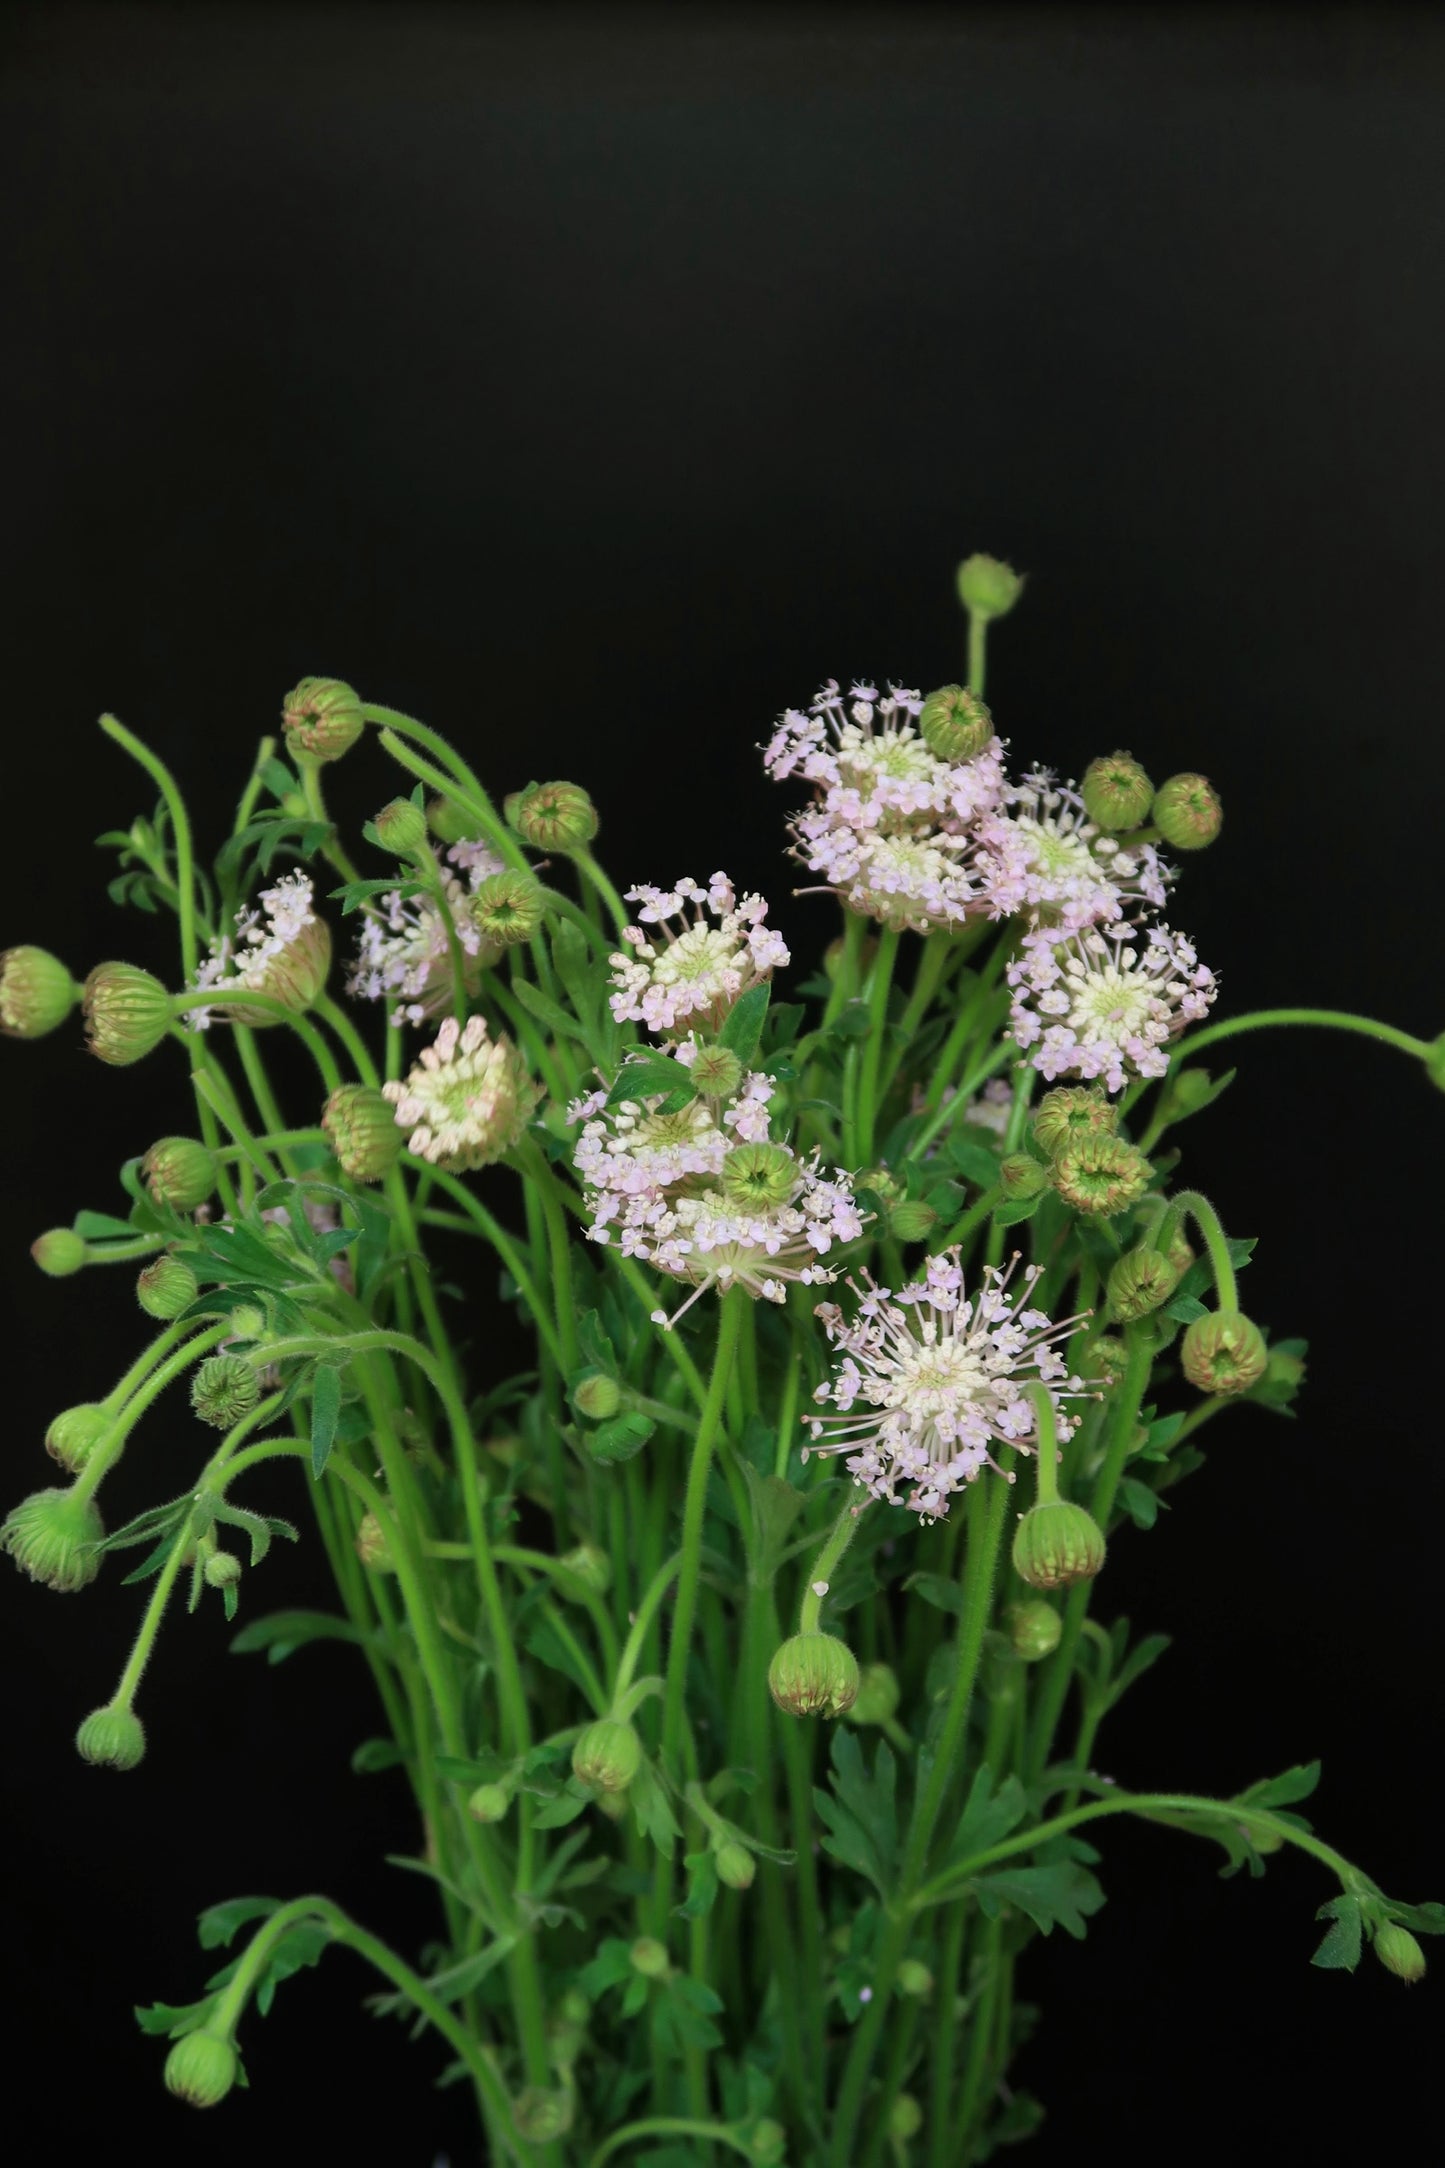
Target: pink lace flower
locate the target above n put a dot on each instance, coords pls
(696, 967)
(1107, 1001)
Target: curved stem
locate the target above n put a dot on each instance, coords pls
(825, 1565)
(1206, 1219)
(1326, 1019)
(669, 2126)
(161, 776)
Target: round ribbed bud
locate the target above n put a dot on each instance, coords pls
(449, 824)
(1116, 791)
(591, 1566)
(59, 1252)
(987, 588)
(165, 1287)
(76, 1432)
(767, 2142)
(914, 1978)
(372, 1546)
(224, 1389)
(597, 1396)
(506, 908)
(553, 816)
(1187, 812)
(1223, 1353)
(1399, 1952)
(222, 1570)
(759, 1175)
(401, 827)
(36, 992)
(1020, 1176)
(361, 1128)
(905, 2118)
(112, 1738)
(489, 1802)
(201, 2068)
(1070, 1112)
(650, 1958)
(1034, 1630)
(736, 1867)
(179, 1172)
(542, 2116)
(1056, 1544)
(716, 1072)
(876, 1701)
(51, 1535)
(127, 1013)
(1139, 1282)
(1101, 1175)
(322, 717)
(913, 1220)
(814, 1675)
(607, 1756)
(954, 724)
(1104, 1358)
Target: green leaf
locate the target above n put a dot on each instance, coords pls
(1184, 1309)
(612, 1964)
(619, 1439)
(702, 1886)
(974, 1162)
(776, 1505)
(1141, 1659)
(1059, 1894)
(282, 1631)
(1140, 1503)
(374, 1755)
(175, 2019)
(1426, 1919)
(218, 1924)
(1340, 1950)
(1190, 1091)
(861, 1811)
(853, 1021)
(325, 1409)
(100, 1226)
(1021, 1208)
(988, 1815)
(655, 1817)
(935, 1588)
(651, 1076)
(556, 1813)
(743, 1028)
(1285, 1789)
(1200, 1276)
(594, 1345)
(550, 1013)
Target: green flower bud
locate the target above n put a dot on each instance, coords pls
(1187, 812)
(592, 1567)
(913, 1220)
(112, 1738)
(1021, 1176)
(914, 1978)
(1399, 1952)
(1034, 1630)
(553, 816)
(224, 1389)
(905, 2118)
(736, 1867)
(1056, 1544)
(1101, 1175)
(1223, 1353)
(814, 1675)
(51, 1535)
(612, 1804)
(650, 1958)
(449, 824)
(1139, 1282)
(401, 827)
(361, 1128)
(542, 2116)
(221, 1570)
(1104, 1358)
(506, 908)
(876, 1701)
(165, 1287)
(767, 2142)
(954, 724)
(322, 717)
(37, 993)
(179, 1172)
(607, 1756)
(59, 1252)
(373, 1546)
(489, 1802)
(1116, 791)
(1069, 1113)
(987, 588)
(201, 2068)
(127, 1013)
(597, 1397)
(76, 1432)
(758, 1175)
(716, 1072)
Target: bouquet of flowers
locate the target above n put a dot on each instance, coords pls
(739, 1648)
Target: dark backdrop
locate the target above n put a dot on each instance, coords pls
(593, 385)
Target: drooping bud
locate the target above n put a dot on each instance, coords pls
(758, 1175)
(127, 1013)
(76, 1432)
(607, 1756)
(221, 1570)
(650, 1958)
(597, 1397)
(814, 1675)
(225, 1388)
(112, 1738)
(736, 1867)
(449, 824)
(322, 717)
(361, 1128)
(1116, 791)
(372, 1545)
(1187, 812)
(716, 1072)
(1139, 1282)
(51, 1535)
(988, 588)
(165, 1287)
(1056, 1544)
(876, 1701)
(1020, 1176)
(1399, 1952)
(506, 908)
(179, 1172)
(542, 2115)
(553, 816)
(401, 827)
(1069, 1113)
(489, 1803)
(913, 1219)
(914, 1978)
(1223, 1352)
(59, 1252)
(954, 724)
(201, 2069)
(37, 993)
(1101, 1175)
(1034, 1630)
(591, 1566)
(905, 2118)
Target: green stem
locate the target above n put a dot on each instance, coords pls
(694, 1510)
(346, 1031)
(879, 982)
(109, 1449)
(977, 651)
(632, 1648)
(1206, 1219)
(826, 1564)
(161, 775)
(592, 873)
(670, 2126)
(243, 997)
(1326, 1019)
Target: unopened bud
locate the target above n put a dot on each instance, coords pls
(322, 717)
(988, 588)
(592, 1567)
(1187, 812)
(876, 1701)
(905, 2118)
(542, 2115)
(1020, 1176)
(1399, 1952)
(1104, 1357)
(224, 1389)
(1116, 791)
(361, 1128)
(59, 1252)
(814, 1675)
(912, 1220)
(36, 992)
(127, 1013)
(449, 823)
(1056, 1544)
(76, 1432)
(597, 1397)
(165, 1287)
(373, 1547)
(201, 2068)
(1223, 1352)
(506, 908)
(716, 1072)
(650, 1958)
(401, 828)
(1139, 1282)
(954, 724)
(1069, 1113)
(221, 1570)
(607, 1756)
(767, 2142)
(914, 1978)
(1034, 1630)
(736, 1867)
(553, 816)
(1101, 1175)
(51, 1535)
(489, 1803)
(759, 1175)
(112, 1738)
(179, 1172)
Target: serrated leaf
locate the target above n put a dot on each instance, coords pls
(742, 1029)
(1061, 1893)
(352, 894)
(217, 1925)
(654, 1815)
(989, 1815)
(702, 1886)
(861, 1811)
(325, 1409)
(1284, 1790)
(1340, 1950)
(280, 1632)
(548, 1012)
(175, 2019)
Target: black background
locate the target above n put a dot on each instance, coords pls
(593, 385)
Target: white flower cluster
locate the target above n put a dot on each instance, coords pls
(932, 1380)
(280, 947)
(702, 1194)
(1044, 860)
(1107, 1001)
(466, 1100)
(404, 955)
(694, 971)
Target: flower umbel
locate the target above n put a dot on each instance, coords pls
(283, 949)
(1045, 858)
(693, 969)
(404, 953)
(467, 1100)
(1106, 1002)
